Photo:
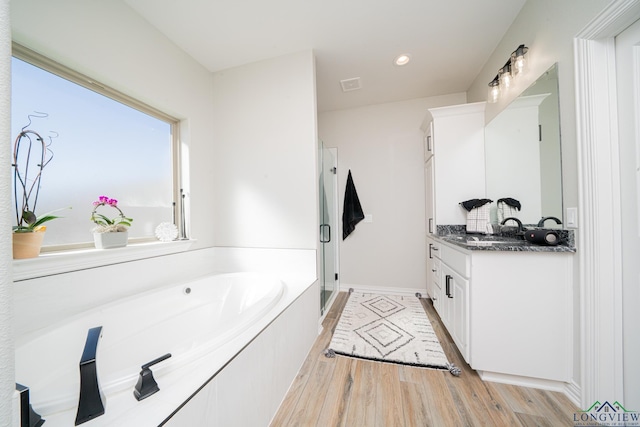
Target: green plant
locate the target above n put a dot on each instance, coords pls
(30, 223)
(105, 224)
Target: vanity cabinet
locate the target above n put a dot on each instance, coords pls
(509, 313)
(522, 314)
(454, 172)
(452, 286)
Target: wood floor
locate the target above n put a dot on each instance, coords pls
(342, 391)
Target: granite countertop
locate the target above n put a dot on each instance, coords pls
(506, 242)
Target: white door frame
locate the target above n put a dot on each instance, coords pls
(599, 231)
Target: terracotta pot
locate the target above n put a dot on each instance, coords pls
(116, 239)
(27, 245)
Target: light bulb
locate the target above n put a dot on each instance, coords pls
(505, 76)
(519, 60)
(494, 91)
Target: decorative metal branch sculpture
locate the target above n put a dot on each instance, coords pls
(26, 189)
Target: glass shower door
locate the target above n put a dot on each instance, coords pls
(328, 226)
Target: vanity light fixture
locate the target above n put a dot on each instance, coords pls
(402, 59)
(513, 68)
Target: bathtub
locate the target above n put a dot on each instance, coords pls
(190, 321)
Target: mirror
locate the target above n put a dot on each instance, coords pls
(522, 152)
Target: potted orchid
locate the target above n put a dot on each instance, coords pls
(31, 153)
(108, 232)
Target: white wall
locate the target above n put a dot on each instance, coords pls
(548, 27)
(264, 156)
(7, 371)
(382, 145)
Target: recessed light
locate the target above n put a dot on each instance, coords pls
(402, 59)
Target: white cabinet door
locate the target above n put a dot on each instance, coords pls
(459, 289)
(429, 184)
(456, 290)
(459, 173)
(521, 307)
(433, 266)
(437, 299)
(428, 141)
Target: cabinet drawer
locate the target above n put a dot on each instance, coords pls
(458, 261)
(436, 298)
(433, 249)
(434, 271)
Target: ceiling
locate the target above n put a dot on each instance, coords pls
(449, 41)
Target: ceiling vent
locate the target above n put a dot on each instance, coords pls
(351, 84)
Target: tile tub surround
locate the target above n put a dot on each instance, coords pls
(457, 235)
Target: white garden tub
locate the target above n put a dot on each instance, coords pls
(189, 321)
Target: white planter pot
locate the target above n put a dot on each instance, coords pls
(110, 240)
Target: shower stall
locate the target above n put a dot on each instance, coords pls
(328, 233)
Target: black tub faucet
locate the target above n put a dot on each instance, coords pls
(28, 417)
(541, 222)
(91, 402)
(147, 385)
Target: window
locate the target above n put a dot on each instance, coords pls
(102, 142)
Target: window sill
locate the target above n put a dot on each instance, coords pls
(66, 261)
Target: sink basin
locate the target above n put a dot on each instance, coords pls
(455, 237)
(494, 242)
(483, 240)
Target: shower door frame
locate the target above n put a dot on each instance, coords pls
(326, 305)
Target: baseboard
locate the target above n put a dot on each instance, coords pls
(573, 391)
(570, 389)
(517, 380)
(383, 290)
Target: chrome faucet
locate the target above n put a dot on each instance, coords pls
(91, 402)
(541, 222)
(512, 218)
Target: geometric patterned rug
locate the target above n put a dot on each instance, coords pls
(388, 328)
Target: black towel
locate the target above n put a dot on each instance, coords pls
(511, 202)
(474, 203)
(352, 210)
